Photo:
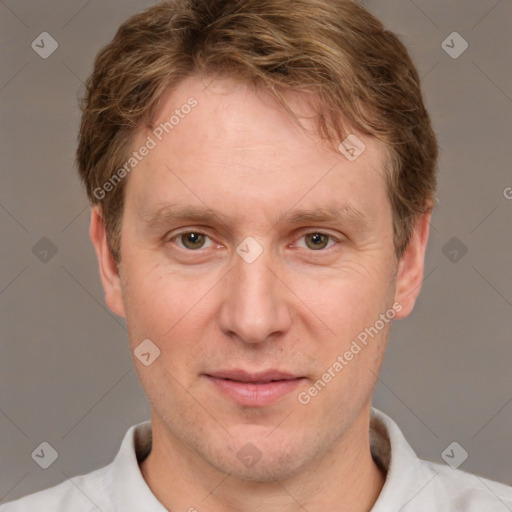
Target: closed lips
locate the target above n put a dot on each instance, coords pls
(253, 378)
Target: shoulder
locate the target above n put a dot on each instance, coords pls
(415, 485)
(457, 490)
(83, 493)
(116, 486)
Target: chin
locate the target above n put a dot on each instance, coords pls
(260, 458)
(276, 467)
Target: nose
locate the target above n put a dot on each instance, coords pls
(256, 305)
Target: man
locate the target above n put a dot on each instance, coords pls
(261, 175)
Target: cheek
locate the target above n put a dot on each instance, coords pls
(169, 309)
(349, 299)
(349, 357)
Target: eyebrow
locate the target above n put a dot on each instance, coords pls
(172, 212)
(335, 213)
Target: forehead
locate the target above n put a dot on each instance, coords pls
(236, 147)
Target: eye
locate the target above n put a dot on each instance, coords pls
(191, 240)
(317, 240)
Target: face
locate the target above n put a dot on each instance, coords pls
(261, 264)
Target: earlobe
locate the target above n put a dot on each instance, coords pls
(109, 272)
(411, 266)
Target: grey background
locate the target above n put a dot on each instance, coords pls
(66, 375)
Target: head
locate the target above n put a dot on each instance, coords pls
(238, 227)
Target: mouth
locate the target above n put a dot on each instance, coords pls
(254, 389)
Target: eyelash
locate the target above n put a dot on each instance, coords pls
(198, 232)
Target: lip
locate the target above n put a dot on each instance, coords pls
(257, 377)
(254, 389)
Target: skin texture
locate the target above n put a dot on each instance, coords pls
(294, 309)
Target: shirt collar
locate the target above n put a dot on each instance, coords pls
(406, 475)
(130, 492)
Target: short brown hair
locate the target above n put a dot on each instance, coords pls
(360, 72)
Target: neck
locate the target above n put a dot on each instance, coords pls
(344, 479)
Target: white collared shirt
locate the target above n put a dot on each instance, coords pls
(412, 485)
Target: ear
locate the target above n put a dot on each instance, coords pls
(109, 272)
(411, 266)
